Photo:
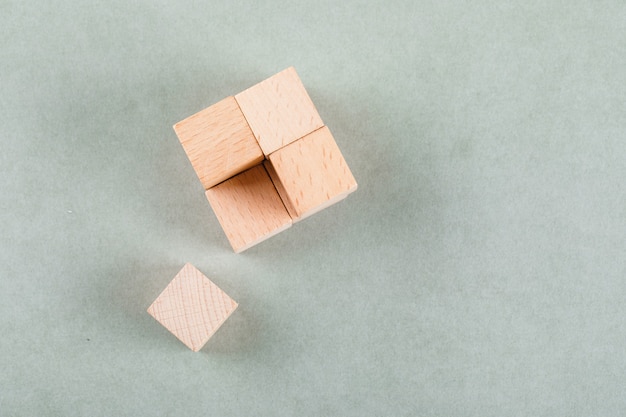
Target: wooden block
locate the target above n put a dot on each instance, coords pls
(279, 110)
(310, 174)
(249, 208)
(192, 307)
(218, 142)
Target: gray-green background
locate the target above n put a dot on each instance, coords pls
(479, 270)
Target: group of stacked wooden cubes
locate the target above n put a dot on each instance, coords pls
(265, 158)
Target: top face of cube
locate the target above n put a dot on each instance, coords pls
(249, 208)
(310, 174)
(192, 307)
(279, 110)
(218, 142)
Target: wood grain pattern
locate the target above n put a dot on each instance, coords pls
(192, 307)
(279, 110)
(218, 142)
(282, 192)
(311, 174)
(249, 208)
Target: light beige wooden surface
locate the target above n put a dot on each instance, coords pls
(248, 208)
(281, 189)
(279, 110)
(311, 174)
(192, 307)
(218, 142)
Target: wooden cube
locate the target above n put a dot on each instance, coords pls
(249, 208)
(279, 110)
(192, 307)
(219, 142)
(310, 174)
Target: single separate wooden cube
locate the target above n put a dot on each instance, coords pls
(192, 307)
(249, 208)
(310, 174)
(279, 110)
(219, 142)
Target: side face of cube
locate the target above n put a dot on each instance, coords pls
(311, 174)
(279, 110)
(248, 208)
(218, 142)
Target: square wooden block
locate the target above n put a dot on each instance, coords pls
(249, 208)
(192, 307)
(279, 110)
(310, 174)
(219, 142)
